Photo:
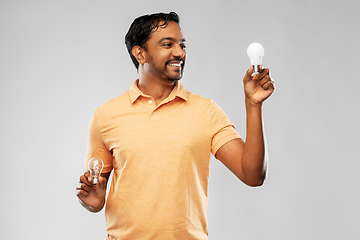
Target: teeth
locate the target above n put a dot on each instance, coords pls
(175, 64)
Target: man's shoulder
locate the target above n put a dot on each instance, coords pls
(197, 96)
(120, 101)
(199, 100)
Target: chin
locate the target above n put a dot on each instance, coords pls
(175, 78)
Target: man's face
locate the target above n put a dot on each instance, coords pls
(165, 53)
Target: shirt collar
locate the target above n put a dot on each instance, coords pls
(178, 91)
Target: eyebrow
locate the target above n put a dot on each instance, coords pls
(171, 39)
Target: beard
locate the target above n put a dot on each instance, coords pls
(164, 73)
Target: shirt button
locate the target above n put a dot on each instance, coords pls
(150, 102)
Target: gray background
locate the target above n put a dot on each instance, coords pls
(59, 60)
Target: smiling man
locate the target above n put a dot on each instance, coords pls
(157, 139)
(161, 60)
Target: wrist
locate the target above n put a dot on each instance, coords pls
(91, 208)
(251, 104)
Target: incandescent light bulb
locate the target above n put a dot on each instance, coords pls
(95, 166)
(255, 51)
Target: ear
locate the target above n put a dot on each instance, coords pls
(139, 53)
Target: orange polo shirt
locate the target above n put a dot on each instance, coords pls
(160, 156)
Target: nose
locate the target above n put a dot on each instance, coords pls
(179, 51)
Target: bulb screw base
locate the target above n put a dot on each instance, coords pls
(95, 180)
(256, 68)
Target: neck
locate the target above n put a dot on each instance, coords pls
(156, 88)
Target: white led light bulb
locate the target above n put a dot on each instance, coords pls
(255, 51)
(95, 166)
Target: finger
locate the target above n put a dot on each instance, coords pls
(272, 86)
(264, 72)
(266, 85)
(83, 186)
(81, 193)
(79, 186)
(269, 85)
(85, 179)
(90, 179)
(265, 80)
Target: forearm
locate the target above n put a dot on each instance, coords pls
(253, 159)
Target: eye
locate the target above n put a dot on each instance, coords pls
(167, 45)
(183, 46)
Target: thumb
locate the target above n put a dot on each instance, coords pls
(247, 77)
(102, 182)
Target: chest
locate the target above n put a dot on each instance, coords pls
(173, 132)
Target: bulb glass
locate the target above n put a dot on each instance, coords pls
(255, 51)
(95, 167)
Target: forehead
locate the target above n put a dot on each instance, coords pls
(172, 30)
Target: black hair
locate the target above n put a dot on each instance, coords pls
(142, 27)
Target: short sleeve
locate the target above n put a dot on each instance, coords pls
(222, 129)
(96, 146)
